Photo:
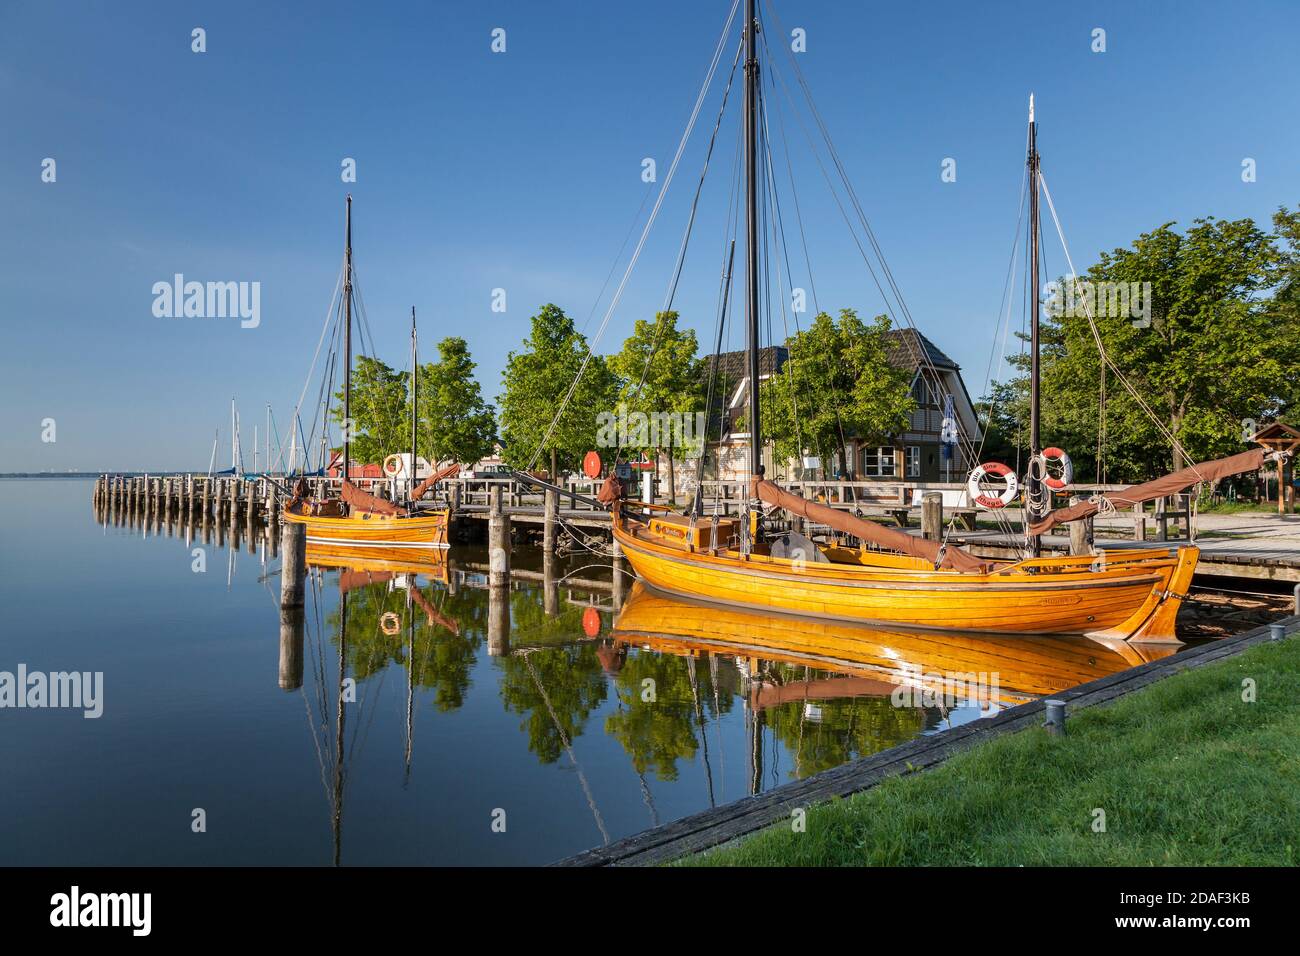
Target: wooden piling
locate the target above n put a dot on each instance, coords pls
(550, 517)
(1081, 533)
(932, 515)
(293, 563)
(498, 540)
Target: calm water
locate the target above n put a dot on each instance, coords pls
(581, 725)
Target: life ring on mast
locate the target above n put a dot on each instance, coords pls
(1057, 456)
(390, 623)
(997, 469)
(393, 466)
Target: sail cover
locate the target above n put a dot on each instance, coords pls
(1158, 488)
(365, 501)
(418, 492)
(951, 557)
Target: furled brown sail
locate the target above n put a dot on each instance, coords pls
(951, 557)
(1157, 488)
(365, 501)
(418, 492)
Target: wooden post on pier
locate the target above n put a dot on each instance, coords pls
(234, 498)
(551, 513)
(293, 563)
(932, 515)
(1081, 533)
(498, 539)
(207, 495)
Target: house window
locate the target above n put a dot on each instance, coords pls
(879, 463)
(913, 461)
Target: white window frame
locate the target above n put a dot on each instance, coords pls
(880, 455)
(912, 461)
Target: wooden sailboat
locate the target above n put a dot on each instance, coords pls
(1128, 595)
(358, 519)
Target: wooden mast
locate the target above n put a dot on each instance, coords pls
(347, 343)
(751, 240)
(1034, 487)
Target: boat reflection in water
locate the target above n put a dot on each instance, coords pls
(869, 661)
(705, 703)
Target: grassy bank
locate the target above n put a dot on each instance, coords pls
(1185, 770)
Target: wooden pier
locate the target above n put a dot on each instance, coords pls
(503, 509)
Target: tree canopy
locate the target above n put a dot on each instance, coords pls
(380, 410)
(837, 383)
(1219, 351)
(454, 421)
(536, 380)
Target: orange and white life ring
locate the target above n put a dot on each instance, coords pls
(390, 623)
(1057, 456)
(393, 466)
(999, 470)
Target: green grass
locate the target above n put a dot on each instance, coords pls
(1186, 772)
(1239, 507)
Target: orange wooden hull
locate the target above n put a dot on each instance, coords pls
(364, 530)
(1134, 595)
(1022, 667)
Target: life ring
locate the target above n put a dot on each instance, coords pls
(390, 623)
(393, 466)
(999, 470)
(1057, 455)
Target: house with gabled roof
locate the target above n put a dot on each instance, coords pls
(916, 454)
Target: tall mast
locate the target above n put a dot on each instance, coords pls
(755, 450)
(415, 396)
(1034, 486)
(347, 343)
(751, 235)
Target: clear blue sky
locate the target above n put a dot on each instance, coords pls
(522, 171)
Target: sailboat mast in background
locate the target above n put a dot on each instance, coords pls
(1034, 487)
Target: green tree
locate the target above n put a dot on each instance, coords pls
(838, 383)
(380, 410)
(1213, 350)
(536, 381)
(454, 421)
(660, 378)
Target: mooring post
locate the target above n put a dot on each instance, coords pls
(293, 563)
(498, 539)
(1055, 717)
(1276, 632)
(932, 515)
(551, 516)
(1081, 533)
